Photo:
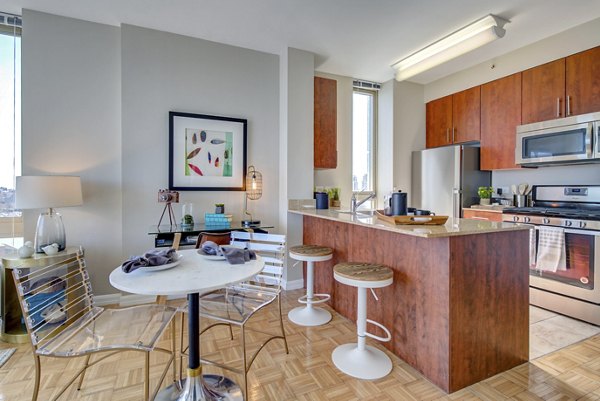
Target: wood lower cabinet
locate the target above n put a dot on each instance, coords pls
(466, 121)
(479, 214)
(439, 122)
(544, 92)
(583, 82)
(325, 123)
(500, 115)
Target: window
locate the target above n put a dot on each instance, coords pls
(364, 125)
(11, 223)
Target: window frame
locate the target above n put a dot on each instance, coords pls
(374, 94)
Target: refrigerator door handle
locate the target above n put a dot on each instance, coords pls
(456, 202)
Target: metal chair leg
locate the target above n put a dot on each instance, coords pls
(147, 378)
(38, 372)
(87, 363)
(181, 347)
(243, 339)
(287, 351)
(174, 348)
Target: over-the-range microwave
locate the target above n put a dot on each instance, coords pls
(567, 140)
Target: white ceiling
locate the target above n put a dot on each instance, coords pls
(357, 38)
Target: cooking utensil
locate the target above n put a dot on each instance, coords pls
(522, 188)
(513, 188)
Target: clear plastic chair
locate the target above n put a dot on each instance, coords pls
(63, 322)
(236, 304)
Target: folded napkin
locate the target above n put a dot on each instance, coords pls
(211, 248)
(155, 257)
(551, 249)
(237, 256)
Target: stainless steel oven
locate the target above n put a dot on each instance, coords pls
(573, 139)
(574, 291)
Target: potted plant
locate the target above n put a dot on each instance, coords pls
(335, 197)
(485, 195)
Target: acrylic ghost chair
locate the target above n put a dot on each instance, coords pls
(236, 304)
(63, 322)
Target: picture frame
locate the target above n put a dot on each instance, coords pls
(207, 153)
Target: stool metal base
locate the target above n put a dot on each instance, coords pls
(200, 388)
(309, 316)
(368, 364)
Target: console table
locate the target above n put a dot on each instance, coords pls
(163, 235)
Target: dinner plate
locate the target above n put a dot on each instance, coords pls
(210, 257)
(162, 267)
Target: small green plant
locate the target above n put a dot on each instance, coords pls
(187, 220)
(485, 192)
(335, 194)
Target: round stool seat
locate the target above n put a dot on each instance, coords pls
(365, 275)
(311, 253)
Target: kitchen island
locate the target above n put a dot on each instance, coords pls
(458, 309)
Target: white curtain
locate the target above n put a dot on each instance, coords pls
(11, 223)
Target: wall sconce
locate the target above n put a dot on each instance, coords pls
(253, 192)
(464, 40)
(48, 191)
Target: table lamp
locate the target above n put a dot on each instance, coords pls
(48, 191)
(253, 192)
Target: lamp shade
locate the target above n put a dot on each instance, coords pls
(464, 40)
(48, 191)
(253, 184)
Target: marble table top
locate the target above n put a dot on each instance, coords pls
(195, 274)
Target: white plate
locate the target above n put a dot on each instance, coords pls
(421, 219)
(162, 267)
(210, 257)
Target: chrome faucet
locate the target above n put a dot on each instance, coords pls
(355, 204)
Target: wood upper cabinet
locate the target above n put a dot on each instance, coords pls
(325, 123)
(439, 122)
(500, 115)
(466, 108)
(583, 82)
(544, 92)
(453, 119)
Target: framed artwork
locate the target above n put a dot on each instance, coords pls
(207, 153)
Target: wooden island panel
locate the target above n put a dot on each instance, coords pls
(458, 309)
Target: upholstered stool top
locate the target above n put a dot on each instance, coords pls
(370, 275)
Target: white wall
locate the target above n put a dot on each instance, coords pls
(298, 105)
(71, 113)
(574, 40)
(164, 72)
(341, 176)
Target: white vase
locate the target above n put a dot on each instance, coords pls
(485, 201)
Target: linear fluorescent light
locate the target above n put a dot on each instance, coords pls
(464, 40)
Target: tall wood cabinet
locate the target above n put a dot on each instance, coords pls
(500, 115)
(325, 123)
(453, 119)
(562, 88)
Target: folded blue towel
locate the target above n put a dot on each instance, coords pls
(155, 257)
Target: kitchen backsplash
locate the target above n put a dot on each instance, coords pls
(563, 175)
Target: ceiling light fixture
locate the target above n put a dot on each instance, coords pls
(464, 40)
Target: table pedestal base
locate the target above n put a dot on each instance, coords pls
(200, 388)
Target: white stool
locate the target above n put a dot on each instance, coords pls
(358, 359)
(309, 315)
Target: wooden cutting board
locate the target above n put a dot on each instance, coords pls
(414, 220)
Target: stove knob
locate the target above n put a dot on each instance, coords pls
(546, 220)
(568, 223)
(515, 218)
(582, 224)
(526, 219)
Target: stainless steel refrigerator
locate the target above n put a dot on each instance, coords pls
(445, 179)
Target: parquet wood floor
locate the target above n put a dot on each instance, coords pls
(307, 373)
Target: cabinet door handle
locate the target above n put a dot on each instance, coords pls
(447, 134)
(568, 105)
(557, 107)
(452, 134)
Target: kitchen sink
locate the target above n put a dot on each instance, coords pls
(365, 213)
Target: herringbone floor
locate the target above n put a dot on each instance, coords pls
(308, 374)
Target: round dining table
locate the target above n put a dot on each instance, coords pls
(193, 275)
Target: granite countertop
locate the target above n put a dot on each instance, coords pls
(452, 227)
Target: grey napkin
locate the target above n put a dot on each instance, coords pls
(155, 257)
(211, 248)
(237, 256)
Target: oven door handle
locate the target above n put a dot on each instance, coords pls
(574, 231)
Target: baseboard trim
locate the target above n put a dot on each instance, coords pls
(293, 284)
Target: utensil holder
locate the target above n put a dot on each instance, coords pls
(521, 200)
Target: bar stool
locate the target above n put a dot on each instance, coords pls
(358, 359)
(309, 315)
